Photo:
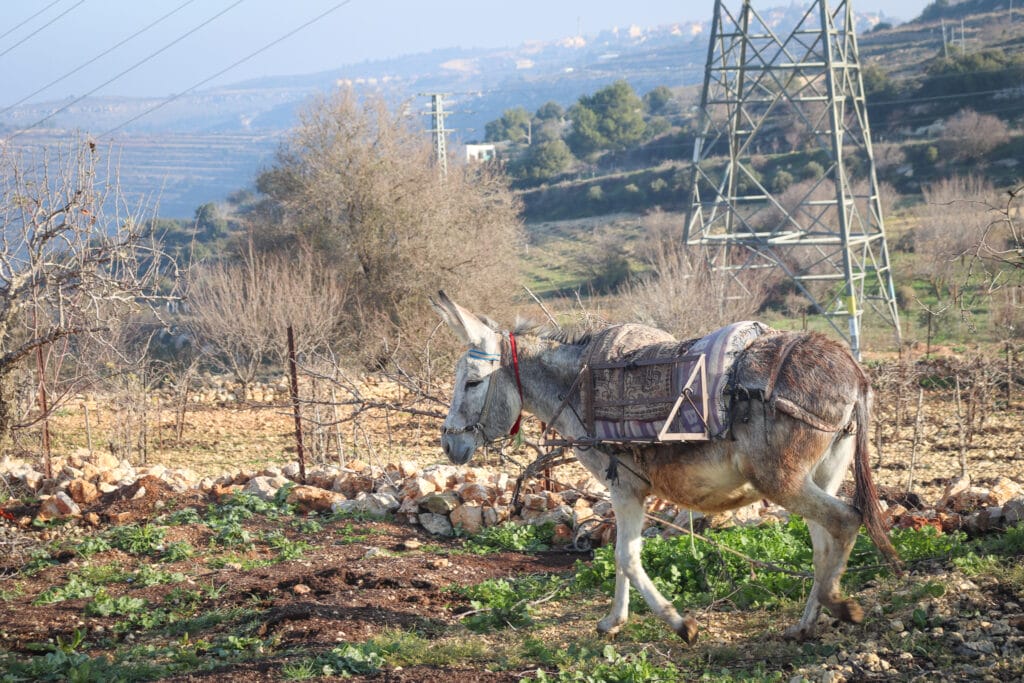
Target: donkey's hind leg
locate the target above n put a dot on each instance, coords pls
(629, 518)
(833, 527)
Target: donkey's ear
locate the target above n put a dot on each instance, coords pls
(469, 328)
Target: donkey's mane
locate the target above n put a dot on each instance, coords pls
(573, 337)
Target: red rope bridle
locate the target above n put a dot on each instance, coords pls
(519, 383)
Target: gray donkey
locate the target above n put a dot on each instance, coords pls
(793, 447)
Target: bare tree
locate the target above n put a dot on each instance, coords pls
(682, 293)
(997, 263)
(951, 223)
(72, 260)
(241, 310)
(970, 135)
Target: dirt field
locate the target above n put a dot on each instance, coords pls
(275, 596)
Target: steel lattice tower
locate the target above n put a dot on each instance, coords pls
(764, 91)
(439, 132)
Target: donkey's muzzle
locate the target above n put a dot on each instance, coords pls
(458, 445)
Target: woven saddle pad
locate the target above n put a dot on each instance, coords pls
(630, 399)
(641, 381)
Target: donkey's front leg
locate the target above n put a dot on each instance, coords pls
(629, 519)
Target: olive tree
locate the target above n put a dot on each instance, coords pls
(356, 183)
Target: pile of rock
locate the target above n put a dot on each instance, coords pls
(445, 499)
(442, 499)
(967, 507)
(82, 479)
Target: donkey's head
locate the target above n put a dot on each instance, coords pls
(486, 401)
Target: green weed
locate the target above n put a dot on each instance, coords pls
(697, 573)
(11, 594)
(38, 561)
(92, 545)
(103, 605)
(177, 551)
(523, 538)
(611, 668)
(307, 526)
(184, 517)
(286, 549)
(146, 575)
(300, 671)
(138, 540)
(348, 659)
(402, 648)
(502, 603)
(103, 573)
(75, 587)
(233, 534)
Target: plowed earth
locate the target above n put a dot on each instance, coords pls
(357, 581)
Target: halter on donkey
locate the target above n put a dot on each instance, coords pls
(793, 449)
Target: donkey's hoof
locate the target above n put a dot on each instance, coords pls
(609, 627)
(850, 611)
(688, 630)
(798, 633)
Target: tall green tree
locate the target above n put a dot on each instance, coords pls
(656, 101)
(546, 160)
(610, 119)
(513, 125)
(209, 223)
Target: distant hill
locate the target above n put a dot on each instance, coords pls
(204, 145)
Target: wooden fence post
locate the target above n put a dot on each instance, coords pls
(294, 372)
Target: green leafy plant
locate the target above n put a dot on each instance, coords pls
(232, 534)
(184, 516)
(38, 561)
(351, 659)
(524, 538)
(75, 587)
(176, 551)
(147, 575)
(138, 540)
(91, 545)
(103, 605)
(696, 572)
(611, 668)
(502, 603)
(286, 548)
(307, 526)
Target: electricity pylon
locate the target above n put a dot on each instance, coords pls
(820, 222)
(439, 132)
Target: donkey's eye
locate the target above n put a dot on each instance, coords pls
(470, 383)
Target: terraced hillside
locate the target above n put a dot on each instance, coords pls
(178, 171)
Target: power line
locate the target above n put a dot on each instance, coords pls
(15, 28)
(223, 71)
(41, 28)
(97, 57)
(129, 69)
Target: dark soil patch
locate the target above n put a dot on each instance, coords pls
(354, 582)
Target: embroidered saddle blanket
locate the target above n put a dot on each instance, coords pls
(635, 376)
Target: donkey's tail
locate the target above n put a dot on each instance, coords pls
(865, 496)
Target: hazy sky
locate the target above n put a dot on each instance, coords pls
(43, 40)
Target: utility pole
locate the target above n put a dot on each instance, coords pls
(439, 132)
(763, 87)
